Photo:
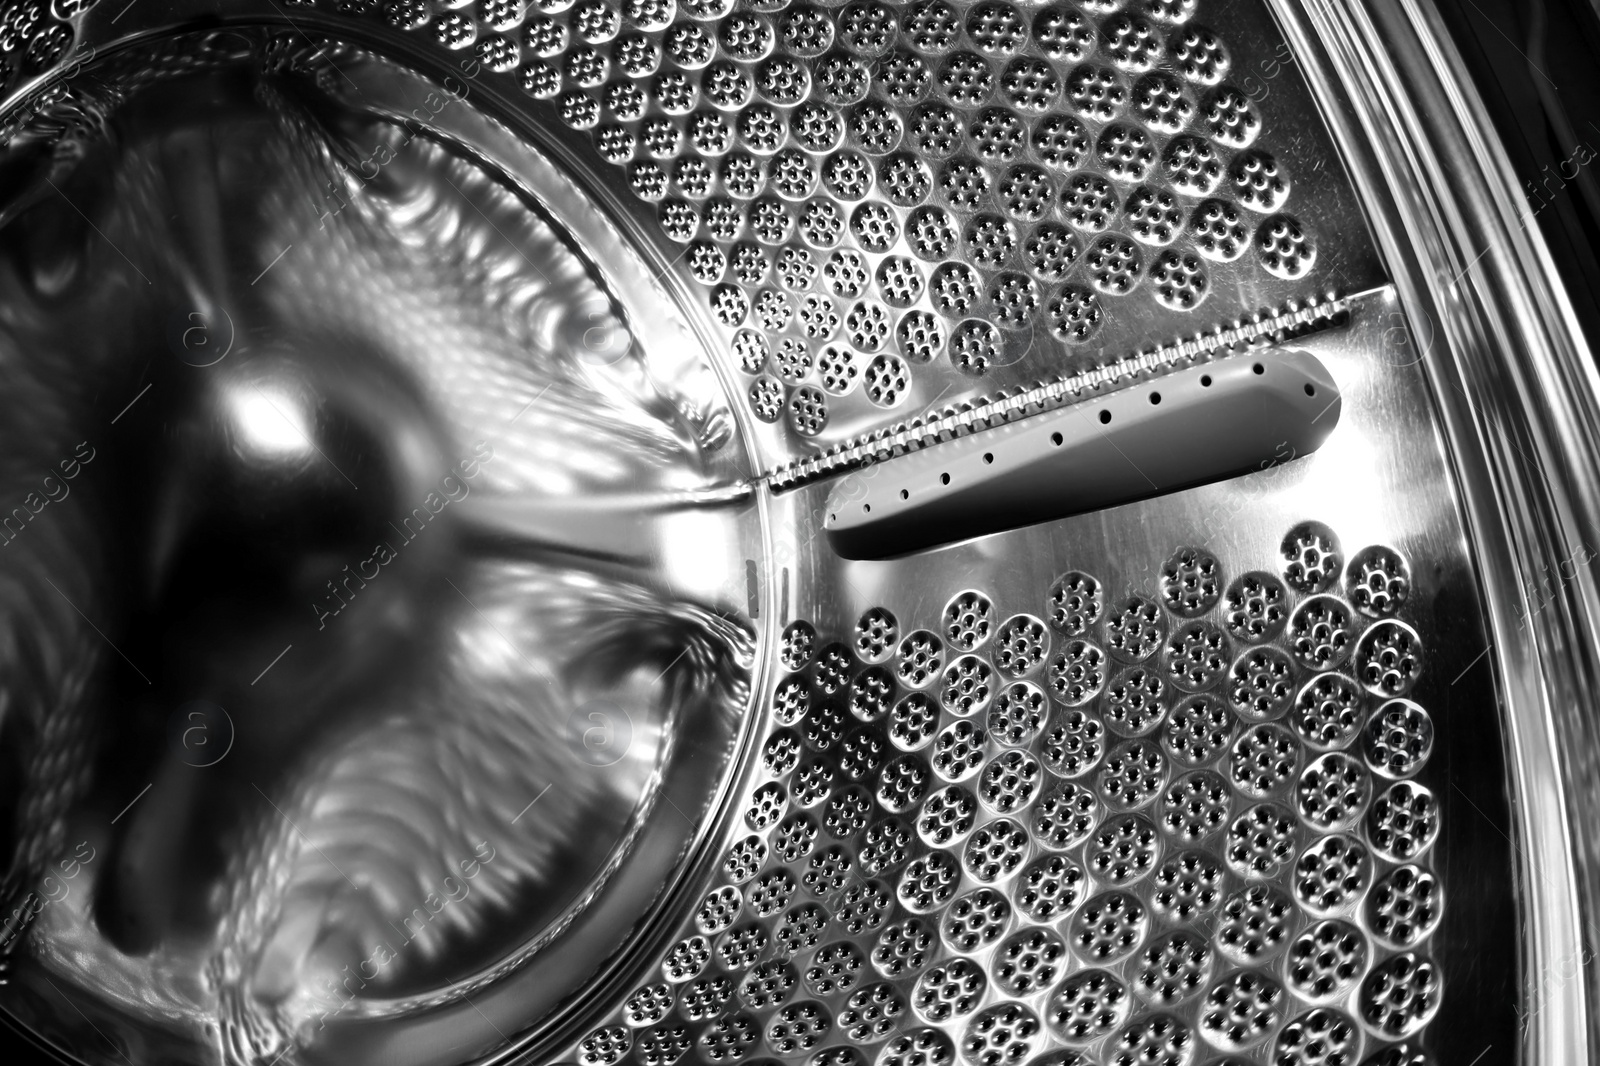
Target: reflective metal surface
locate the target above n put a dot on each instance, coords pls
(604, 310)
(395, 492)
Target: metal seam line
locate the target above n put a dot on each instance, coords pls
(930, 430)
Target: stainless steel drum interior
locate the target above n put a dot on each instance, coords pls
(865, 534)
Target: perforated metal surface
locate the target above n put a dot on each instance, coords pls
(865, 189)
(880, 203)
(1193, 879)
(1158, 787)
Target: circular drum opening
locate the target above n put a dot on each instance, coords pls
(378, 559)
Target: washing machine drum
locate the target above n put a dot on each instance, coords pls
(1020, 534)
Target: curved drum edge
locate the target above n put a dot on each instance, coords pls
(1517, 402)
(1518, 397)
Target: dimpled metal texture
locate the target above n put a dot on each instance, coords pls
(1188, 824)
(885, 206)
(1226, 872)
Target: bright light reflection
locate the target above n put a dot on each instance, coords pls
(269, 423)
(695, 550)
